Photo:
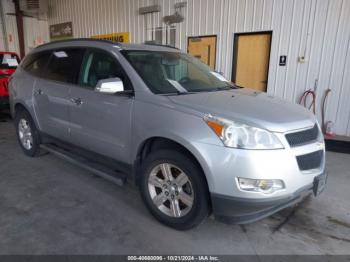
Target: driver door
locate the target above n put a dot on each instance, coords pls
(101, 122)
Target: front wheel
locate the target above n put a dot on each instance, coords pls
(174, 189)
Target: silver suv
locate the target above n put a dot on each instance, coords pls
(193, 142)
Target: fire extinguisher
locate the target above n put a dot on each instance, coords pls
(329, 129)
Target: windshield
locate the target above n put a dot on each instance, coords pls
(8, 61)
(175, 73)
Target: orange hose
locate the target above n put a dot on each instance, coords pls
(304, 97)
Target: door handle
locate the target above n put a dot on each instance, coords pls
(77, 101)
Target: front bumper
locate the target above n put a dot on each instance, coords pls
(243, 211)
(222, 167)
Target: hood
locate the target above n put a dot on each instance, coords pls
(249, 107)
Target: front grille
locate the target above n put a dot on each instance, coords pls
(303, 137)
(310, 161)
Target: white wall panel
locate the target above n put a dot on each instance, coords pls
(3, 34)
(2, 39)
(11, 28)
(35, 30)
(316, 29)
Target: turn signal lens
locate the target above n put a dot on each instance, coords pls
(217, 128)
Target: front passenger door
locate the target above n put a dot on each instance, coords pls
(101, 122)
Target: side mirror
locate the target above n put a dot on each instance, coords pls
(110, 86)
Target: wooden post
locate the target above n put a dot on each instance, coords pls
(19, 20)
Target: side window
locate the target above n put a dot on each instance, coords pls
(8, 61)
(100, 65)
(36, 63)
(64, 65)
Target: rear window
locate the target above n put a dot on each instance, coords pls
(64, 65)
(36, 63)
(9, 61)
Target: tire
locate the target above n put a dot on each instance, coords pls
(174, 210)
(27, 131)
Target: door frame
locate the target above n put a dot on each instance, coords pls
(235, 50)
(205, 36)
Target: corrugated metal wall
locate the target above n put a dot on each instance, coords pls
(3, 34)
(316, 29)
(11, 26)
(36, 30)
(12, 35)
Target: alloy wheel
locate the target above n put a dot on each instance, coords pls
(25, 134)
(171, 190)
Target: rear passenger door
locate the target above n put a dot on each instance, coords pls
(101, 122)
(51, 91)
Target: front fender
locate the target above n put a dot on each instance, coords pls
(189, 130)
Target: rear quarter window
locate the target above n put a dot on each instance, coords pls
(36, 63)
(8, 61)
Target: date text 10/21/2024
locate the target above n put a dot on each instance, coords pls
(173, 258)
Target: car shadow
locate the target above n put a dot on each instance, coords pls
(5, 117)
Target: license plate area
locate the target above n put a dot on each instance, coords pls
(320, 183)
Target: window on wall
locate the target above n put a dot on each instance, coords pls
(158, 33)
(172, 35)
(157, 36)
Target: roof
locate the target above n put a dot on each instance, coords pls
(90, 42)
(75, 40)
(147, 47)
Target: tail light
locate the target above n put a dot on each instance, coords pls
(4, 87)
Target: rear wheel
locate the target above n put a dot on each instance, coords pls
(27, 134)
(174, 189)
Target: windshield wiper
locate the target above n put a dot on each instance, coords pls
(221, 88)
(179, 93)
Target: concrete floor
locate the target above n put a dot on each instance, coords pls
(48, 206)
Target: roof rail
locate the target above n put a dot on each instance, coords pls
(79, 39)
(168, 46)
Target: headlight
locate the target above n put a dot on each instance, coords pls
(266, 186)
(237, 135)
